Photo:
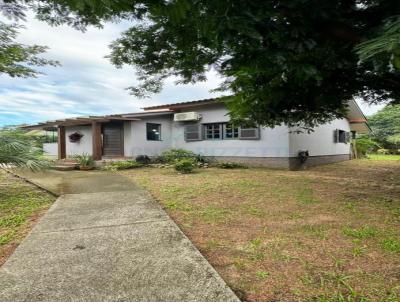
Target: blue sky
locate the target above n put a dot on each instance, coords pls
(86, 83)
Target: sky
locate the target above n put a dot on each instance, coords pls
(86, 83)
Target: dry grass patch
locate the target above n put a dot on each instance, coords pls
(327, 234)
(21, 205)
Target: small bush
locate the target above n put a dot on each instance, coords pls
(84, 160)
(174, 155)
(383, 151)
(122, 165)
(365, 145)
(231, 165)
(184, 165)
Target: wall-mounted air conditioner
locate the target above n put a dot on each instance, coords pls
(187, 116)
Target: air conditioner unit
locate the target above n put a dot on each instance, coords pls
(187, 116)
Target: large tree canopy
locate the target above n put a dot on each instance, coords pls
(385, 126)
(283, 60)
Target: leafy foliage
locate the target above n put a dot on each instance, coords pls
(385, 48)
(17, 60)
(185, 165)
(122, 165)
(365, 145)
(174, 155)
(385, 125)
(286, 61)
(15, 149)
(84, 160)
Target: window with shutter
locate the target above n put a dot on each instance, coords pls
(249, 133)
(348, 136)
(193, 132)
(341, 136)
(336, 136)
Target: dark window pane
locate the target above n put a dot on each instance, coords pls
(153, 132)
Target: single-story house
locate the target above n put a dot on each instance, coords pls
(204, 127)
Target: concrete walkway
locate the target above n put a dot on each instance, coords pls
(111, 245)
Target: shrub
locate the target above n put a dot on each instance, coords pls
(173, 155)
(122, 165)
(185, 165)
(365, 145)
(84, 160)
(383, 151)
(231, 165)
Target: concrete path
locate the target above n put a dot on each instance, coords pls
(109, 246)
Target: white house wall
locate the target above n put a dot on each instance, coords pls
(85, 143)
(272, 142)
(320, 142)
(128, 139)
(138, 143)
(50, 149)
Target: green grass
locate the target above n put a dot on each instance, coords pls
(20, 202)
(384, 156)
(214, 214)
(262, 274)
(306, 196)
(391, 245)
(278, 235)
(360, 233)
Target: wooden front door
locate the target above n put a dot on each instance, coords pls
(113, 139)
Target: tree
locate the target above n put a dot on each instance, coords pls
(19, 150)
(383, 49)
(16, 59)
(385, 126)
(284, 61)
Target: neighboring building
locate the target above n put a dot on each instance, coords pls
(204, 127)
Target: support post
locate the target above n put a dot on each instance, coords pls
(61, 142)
(96, 140)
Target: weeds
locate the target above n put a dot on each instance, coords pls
(391, 245)
(360, 233)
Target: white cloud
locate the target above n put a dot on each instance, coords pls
(86, 83)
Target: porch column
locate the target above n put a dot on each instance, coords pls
(61, 142)
(96, 140)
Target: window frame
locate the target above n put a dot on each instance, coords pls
(342, 137)
(213, 138)
(224, 131)
(159, 130)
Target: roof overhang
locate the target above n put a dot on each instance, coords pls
(358, 121)
(78, 121)
(184, 105)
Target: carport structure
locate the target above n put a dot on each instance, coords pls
(98, 124)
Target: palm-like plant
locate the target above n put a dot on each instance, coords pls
(18, 151)
(386, 42)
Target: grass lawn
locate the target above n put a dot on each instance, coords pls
(21, 204)
(331, 233)
(384, 157)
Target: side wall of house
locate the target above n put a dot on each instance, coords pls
(136, 142)
(273, 143)
(85, 143)
(320, 144)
